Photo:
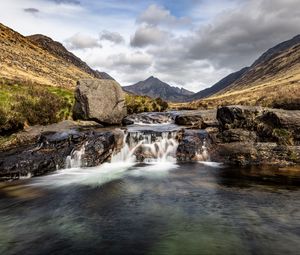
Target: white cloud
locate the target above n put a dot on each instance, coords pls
(148, 35)
(111, 36)
(158, 15)
(81, 41)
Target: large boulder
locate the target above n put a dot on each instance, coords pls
(99, 100)
(238, 116)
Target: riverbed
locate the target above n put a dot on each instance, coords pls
(154, 206)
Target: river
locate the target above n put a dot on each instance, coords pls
(154, 206)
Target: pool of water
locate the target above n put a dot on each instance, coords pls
(158, 208)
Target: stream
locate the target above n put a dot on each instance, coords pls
(149, 205)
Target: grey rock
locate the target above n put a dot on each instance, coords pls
(99, 100)
(47, 148)
(200, 119)
(193, 145)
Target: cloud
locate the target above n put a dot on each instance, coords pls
(131, 61)
(155, 15)
(237, 37)
(111, 36)
(81, 41)
(76, 2)
(31, 10)
(148, 35)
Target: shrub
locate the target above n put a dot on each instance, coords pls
(283, 136)
(32, 104)
(137, 104)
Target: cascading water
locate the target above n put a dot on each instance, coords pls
(148, 147)
(202, 154)
(75, 159)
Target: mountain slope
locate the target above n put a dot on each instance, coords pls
(32, 60)
(278, 62)
(220, 85)
(272, 80)
(154, 88)
(58, 50)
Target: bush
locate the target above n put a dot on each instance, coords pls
(32, 104)
(9, 123)
(137, 104)
(39, 107)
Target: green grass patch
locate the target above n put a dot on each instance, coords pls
(283, 136)
(137, 104)
(30, 104)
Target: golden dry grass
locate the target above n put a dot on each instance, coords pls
(22, 60)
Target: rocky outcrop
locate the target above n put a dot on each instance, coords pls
(47, 151)
(99, 100)
(193, 145)
(270, 125)
(255, 135)
(197, 119)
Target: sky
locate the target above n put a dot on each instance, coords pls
(190, 44)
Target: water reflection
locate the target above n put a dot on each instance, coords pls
(149, 209)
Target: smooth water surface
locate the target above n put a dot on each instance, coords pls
(159, 208)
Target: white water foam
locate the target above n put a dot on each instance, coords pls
(149, 147)
(75, 159)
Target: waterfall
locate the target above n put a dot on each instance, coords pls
(74, 160)
(147, 147)
(202, 154)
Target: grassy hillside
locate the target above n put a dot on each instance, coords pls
(23, 61)
(273, 80)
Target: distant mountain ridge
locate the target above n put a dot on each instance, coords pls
(279, 59)
(220, 85)
(272, 65)
(153, 87)
(273, 80)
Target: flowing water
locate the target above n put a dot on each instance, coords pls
(144, 202)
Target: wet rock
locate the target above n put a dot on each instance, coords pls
(247, 153)
(148, 118)
(127, 121)
(193, 146)
(235, 153)
(237, 135)
(50, 150)
(197, 119)
(99, 100)
(270, 125)
(190, 120)
(238, 116)
(281, 125)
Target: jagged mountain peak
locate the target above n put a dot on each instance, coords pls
(154, 87)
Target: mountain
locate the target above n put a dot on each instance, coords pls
(39, 59)
(222, 84)
(273, 77)
(153, 87)
(58, 50)
(272, 65)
